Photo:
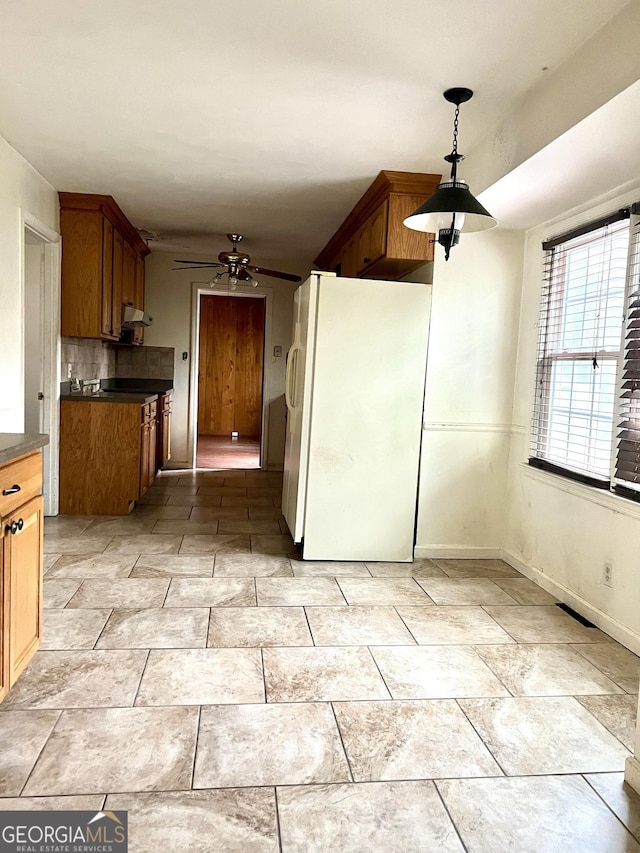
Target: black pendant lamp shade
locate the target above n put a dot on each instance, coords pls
(451, 209)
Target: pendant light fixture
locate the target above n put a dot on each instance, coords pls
(452, 208)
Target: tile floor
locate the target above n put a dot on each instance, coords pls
(232, 697)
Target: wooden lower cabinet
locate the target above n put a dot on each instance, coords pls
(163, 443)
(21, 567)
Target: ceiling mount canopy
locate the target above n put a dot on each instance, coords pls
(452, 208)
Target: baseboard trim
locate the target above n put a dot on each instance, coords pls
(632, 773)
(456, 552)
(610, 626)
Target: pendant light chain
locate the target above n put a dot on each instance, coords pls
(455, 129)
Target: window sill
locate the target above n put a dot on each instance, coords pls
(601, 497)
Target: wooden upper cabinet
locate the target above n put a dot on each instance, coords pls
(372, 242)
(138, 297)
(100, 254)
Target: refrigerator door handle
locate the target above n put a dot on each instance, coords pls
(288, 397)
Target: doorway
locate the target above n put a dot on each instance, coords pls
(41, 339)
(230, 381)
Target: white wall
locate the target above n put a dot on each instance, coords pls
(168, 300)
(469, 395)
(20, 187)
(560, 532)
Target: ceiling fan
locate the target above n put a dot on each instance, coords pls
(237, 265)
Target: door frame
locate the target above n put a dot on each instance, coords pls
(199, 289)
(50, 346)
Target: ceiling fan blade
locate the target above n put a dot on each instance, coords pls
(274, 273)
(201, 263)
(201, 267)
(244, 274)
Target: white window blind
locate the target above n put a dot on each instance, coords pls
(582, 307)
(627, 470)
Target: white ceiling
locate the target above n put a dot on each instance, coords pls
(265, 118)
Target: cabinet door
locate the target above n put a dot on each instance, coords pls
(152, 451)
(128, 275)
(144, 458)
(82, 255)
(4, 626)
(107, 279)
(372, 238)
(138, 297)
(23, 557)
(166, 437)
(116, 292)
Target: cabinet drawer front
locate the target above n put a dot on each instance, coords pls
(26, 473)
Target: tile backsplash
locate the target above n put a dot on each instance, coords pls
(97, 360)
(88, 359)
(145, 362)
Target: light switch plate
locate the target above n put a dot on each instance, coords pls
(277, 352)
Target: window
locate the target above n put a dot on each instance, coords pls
(582, 320)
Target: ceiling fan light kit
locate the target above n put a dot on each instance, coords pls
(236, 266)
(452, 208)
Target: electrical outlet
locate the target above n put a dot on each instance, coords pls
(607, 577)
(69, 370)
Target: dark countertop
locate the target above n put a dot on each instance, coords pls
(14, 444)
(110, 397)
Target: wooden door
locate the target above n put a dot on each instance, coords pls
(23, 556)
(230, 365)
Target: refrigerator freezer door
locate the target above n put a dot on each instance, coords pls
(298, 398)
(366, 420)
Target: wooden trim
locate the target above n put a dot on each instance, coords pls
(385, 184)
(106, 205)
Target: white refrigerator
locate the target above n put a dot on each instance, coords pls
(354, 395)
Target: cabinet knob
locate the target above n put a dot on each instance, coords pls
(12, 491)
(365, 260)
(15, 526)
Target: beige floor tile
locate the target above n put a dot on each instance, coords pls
(256, 745)
(357, 626)
(620, 797)
(88, 803)
(236, 820)
(617, 663)
(411, 740)
(215, 513)
(525, 591)
(92, 566)
(455, 626)
(72, 629)
(22, 737)
(211, 592)
(210, 490)
(537, 815)
(202, 677)
(263, 491)
(389, 591)
(616, 713)
(231, 544)
(176, 513)
(121, 592)
(189, 527)
(66, 525)
(545, 670)
(331, 569)
(322, 675)
(171, 565)
(151, 543)
(376, 817)
(265, 527)
(281, 543)
(465, 591)
(251, 566)
(49, 560)
(178, 499)
(151, 498)
(265, 513)
(258, 626)
(117, 749)
(78, 679)
(81, 544)
(211, 478)
(129, 525)
(160, 487)
(57, 592)
(437, 672)
(477, 569)
(153, 628)
(246, 501)
(417, 569)
(298, 591)
(531, 736)
(541, 624)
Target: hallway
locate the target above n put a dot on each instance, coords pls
(232, 697)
